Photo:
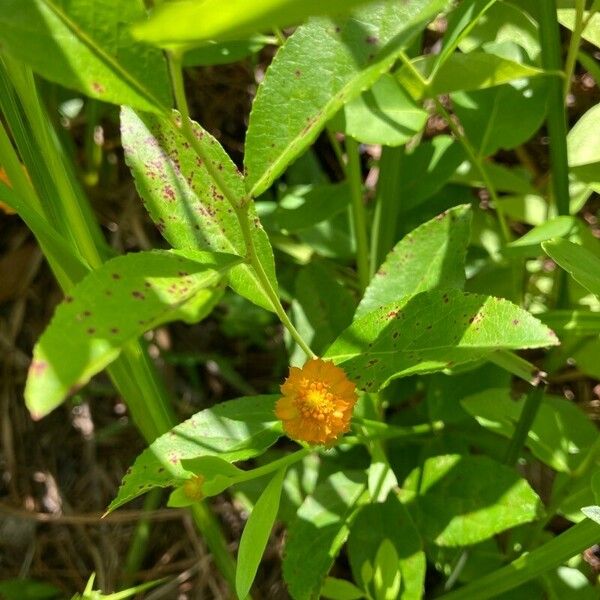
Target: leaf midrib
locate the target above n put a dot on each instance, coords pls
(102, 55)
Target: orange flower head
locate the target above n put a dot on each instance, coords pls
(317, 402)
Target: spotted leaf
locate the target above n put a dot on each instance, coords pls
(189, 208)
(430, 332)
(114, 305)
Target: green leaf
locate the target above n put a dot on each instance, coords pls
(430, 257)
(566, 17)
(387, 577)
(556, 227)
(462, 72)
(430, 332)
(583, 265)
(503, 22)
(502, 117)
(27, 589)
(560, 436)
(385, 115)
(256, 535)
(391, 521)
(321, 67)
(233, 430)
(110, 307)
(85, 45)
(188, 207)
(340, 589)
(319, 531)
(462, 500)
(427, 168)
(584, 148)
(578, 322)
(195, 22)
(224, 53)
(307, 206)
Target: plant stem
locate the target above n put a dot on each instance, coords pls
(359, 220)
(528, 414)
(476, 160)
(392, 431)
(280, 463)
(239, 205)
(574, 45)
(556, 120)
(388, 205)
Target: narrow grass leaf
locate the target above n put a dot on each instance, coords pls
(256, 535)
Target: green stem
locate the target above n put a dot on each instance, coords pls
(276, 465)
(476, 160)
(574, 45)
(388, 206)
(528, 414)
(239, 205)
(556, 120)
(383, 430)
(531, 565)
(359, 220)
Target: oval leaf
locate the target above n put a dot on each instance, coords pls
(110, 307)
(319, 531)
(200, 21)
(430, 332)
(583, 265)
(462, 500)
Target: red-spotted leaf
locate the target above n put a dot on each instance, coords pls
(186, 204)
(322, 66)
(112, 306)
(432, 256)
(430, 332)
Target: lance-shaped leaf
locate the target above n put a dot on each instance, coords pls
(233, 430)
(320, 529)
(200, 21)
(473, 71)
(430, 332)
(322, 66)
(112, 306)
(583, 265)
(86, 45)
(186, 204)
(432, 256)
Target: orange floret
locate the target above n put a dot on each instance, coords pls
(317, 402)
